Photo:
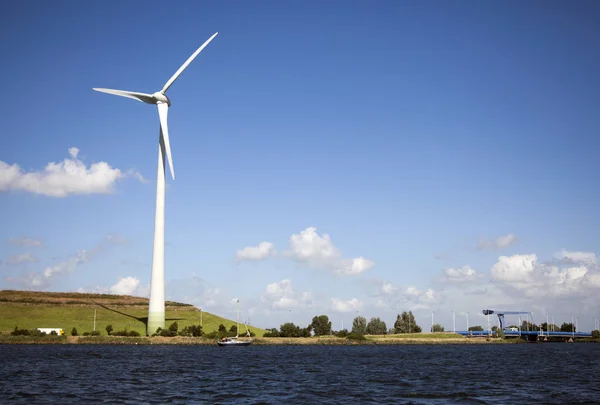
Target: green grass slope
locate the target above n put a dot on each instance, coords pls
(31, 310)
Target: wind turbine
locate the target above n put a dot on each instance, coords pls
(156, 309)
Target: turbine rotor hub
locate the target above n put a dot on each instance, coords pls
(161, 98)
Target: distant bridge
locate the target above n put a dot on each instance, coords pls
(529, 333)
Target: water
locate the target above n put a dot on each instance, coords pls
(551, 373)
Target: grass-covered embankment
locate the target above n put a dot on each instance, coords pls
(32, 310)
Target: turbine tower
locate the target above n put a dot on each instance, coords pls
(156, 309)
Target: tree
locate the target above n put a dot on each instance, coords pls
(548, 327)
(405, 323)
(359, 325)
(233, 329)
(376, 327)
(222, 328)
(596, 334)
(289, 330)
(476, 328)
(74, 331)
(321, 325)
(567, 327)
(437, 328)
(109, 329)
(173, 328)
(526, 325)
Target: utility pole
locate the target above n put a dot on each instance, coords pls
(432, 312)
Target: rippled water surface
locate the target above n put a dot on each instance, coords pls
(550, 373)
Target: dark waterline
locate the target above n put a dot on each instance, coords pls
(550, 373)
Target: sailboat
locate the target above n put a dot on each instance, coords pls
(233, 341)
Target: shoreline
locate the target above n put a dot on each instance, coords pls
(187, 341)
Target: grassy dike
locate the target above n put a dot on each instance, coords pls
(32, 310)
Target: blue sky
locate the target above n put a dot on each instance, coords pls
(451, 145)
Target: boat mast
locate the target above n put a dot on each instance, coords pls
(237, 322)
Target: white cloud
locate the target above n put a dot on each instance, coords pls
(532, 279)
(498, 243)
(515, 269)
(354, 266)
(64, 267)
(23, 241)
(319, 252)
(338, 305)
(460, 275)
(420, 296)
(71, 176)
(260, 252)
(68, 265)
(28, 281)
(116, 239)
(388, 288)
(22, 258)
(281, 295)
(125, 286)
(387, 296)
(576, 257)
(211, 297)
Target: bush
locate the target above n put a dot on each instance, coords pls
(271, 333)
(28, 332)
(164, 332)
(212, 335)
(74, 331)
(95, 333)
(356, 336)
(596, 334)
(125, 333)
(342, 333)
(192, 330)
(20, 332)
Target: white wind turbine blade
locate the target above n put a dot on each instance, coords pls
(143, 97)
(163, 109)
(187, 62)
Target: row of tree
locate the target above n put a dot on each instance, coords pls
(320, 326)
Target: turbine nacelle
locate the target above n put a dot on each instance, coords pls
(161, 97)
